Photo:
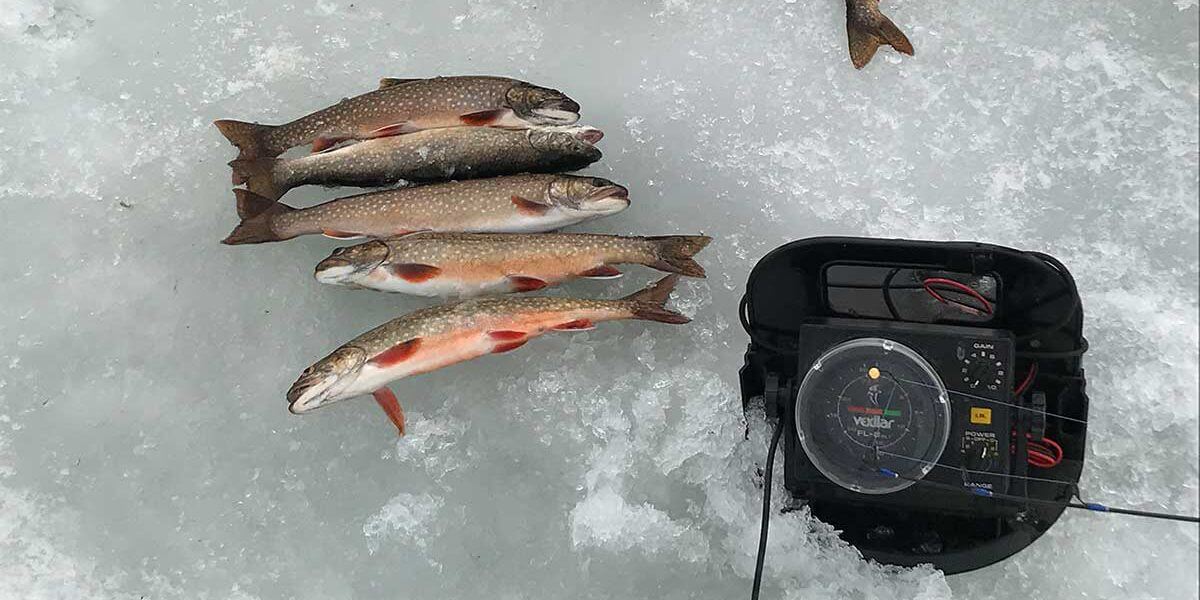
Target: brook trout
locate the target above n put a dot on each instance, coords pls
(435, 337)
(517, 203)
(402, 106)
(432, 155)
(467, 264)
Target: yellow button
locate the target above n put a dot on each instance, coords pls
(981, 416)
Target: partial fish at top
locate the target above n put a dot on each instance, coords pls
(402, 106)
(867, 29)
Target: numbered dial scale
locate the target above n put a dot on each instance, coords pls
(870, 404)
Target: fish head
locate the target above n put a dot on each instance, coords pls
(578, 141)
(326, 381)
(347, 266)
(594, 196)
(541, 106)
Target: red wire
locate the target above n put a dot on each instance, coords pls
(1025, 383)
(929, 282)
(1044, 454)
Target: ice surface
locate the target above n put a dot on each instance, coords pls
(145, 449)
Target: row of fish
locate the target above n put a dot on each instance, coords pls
(490, 152)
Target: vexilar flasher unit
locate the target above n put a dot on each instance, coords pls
(930, 395)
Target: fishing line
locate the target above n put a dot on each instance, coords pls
(1001, 402)
(1091, 506)
(966, 470)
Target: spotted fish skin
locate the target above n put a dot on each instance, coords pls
(432, 155)
(402, 106)
(435, 337)
(515, 203)
(465, 265)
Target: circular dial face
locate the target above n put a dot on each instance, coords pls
(872, 405)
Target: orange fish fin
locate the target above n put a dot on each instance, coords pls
(521, 283)
(391, 407)
(483, 117)
(340, 235)
(601, 272)
(322, 144)
(530, 207)
(393, 129)
(576, 325)
(507, 335)
(415, 273)
(396, 354)
(508, 346)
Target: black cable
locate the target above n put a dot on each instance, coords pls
(887, 293)
(766, 511)
(744, 317)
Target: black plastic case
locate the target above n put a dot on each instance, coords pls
(1037, 318)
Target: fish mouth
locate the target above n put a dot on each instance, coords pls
(608, 199)
(339, 271)
(610, 191)
(590, 135)
(347, 265)
(309, 393)
(558, 112)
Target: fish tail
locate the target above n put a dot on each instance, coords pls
(673, 253)
(259, 176)
(258, 215)
(250, 138)
(648, 304)
(866, 30)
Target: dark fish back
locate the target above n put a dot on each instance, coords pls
(432, 155)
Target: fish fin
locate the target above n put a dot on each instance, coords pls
(521, 283)
(396, 354)
(325, 144)
(341, 235)
(505, 335)
(866, 31)
(248, 137)
(674, 253)
(507, 340)
(484, 117)
(258, 175)
(576, 325)
(250, 204)
(602, 272)
(391, 407)
(393, 129)
(387, 82)
(530, 207)
(414, 272)
(508, 346)
(648, 304)
(258, 214)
